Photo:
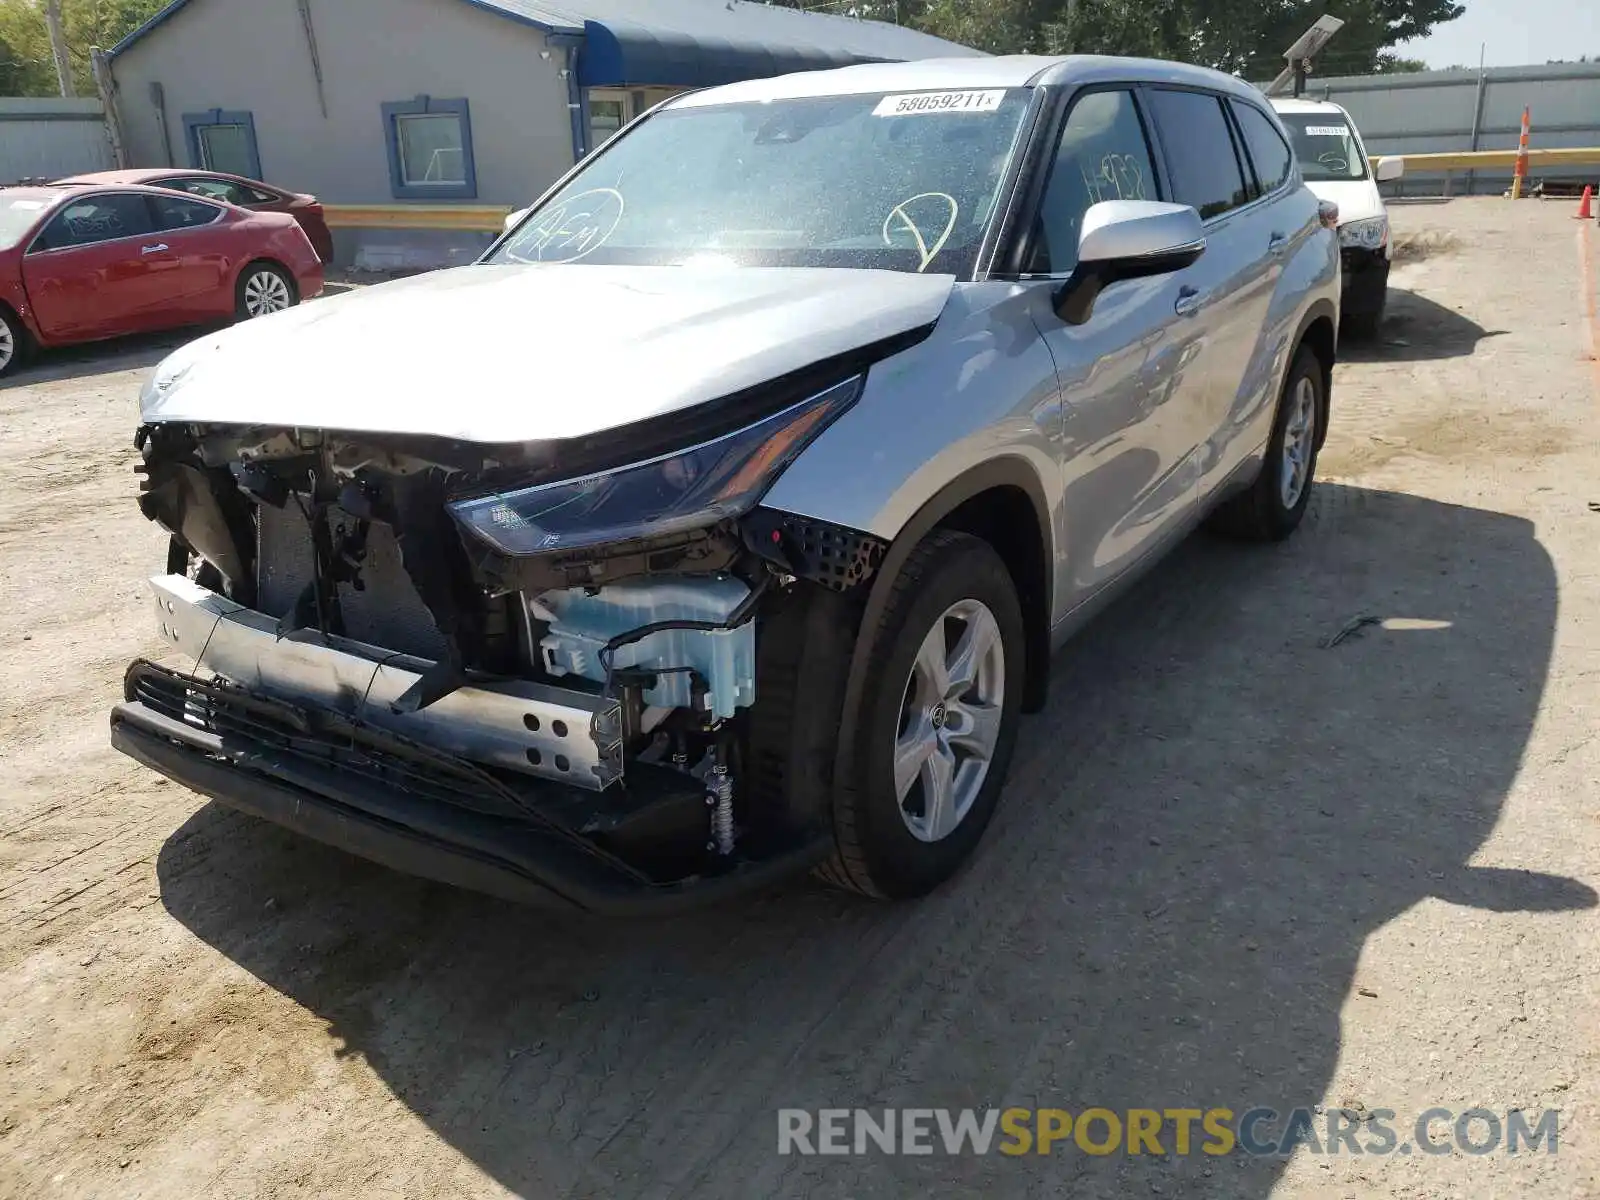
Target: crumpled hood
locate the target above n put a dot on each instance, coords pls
(530, 353)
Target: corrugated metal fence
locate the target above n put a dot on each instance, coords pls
(49, 138)
(1436, 111)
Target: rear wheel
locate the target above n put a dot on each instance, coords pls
(1275, 504)
(13, 341)
(936, 725)
(264, 289)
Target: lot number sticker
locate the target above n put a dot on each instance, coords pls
(1327, 131)
(925, 103)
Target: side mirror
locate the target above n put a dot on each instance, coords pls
(513, 218)
(1128, 239)
(1387, 170)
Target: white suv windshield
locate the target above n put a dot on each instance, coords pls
(1326, 146)
(901, 182)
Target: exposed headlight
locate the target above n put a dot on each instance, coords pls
(1370, 233)
(689, 489)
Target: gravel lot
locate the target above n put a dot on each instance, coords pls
(1234, 866)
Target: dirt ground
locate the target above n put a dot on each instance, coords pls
(1235, 865)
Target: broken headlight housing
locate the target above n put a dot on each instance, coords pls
(688, 489)
(1369, 233)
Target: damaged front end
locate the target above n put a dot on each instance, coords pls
(540, 670)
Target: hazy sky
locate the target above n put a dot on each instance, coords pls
(1517, 32)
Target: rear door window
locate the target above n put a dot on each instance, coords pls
(1269, 154)
(175, 212)
(1102, 155)
(1204, 161)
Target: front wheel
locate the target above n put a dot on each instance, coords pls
(936, 725)
(1275, 504)
(264, 289)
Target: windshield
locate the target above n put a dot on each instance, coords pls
(1325, 143)
(19, 211)
(900, 182)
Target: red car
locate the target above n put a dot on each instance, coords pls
(233, 189)
(78, 264)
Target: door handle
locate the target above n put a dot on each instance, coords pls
(1277, 243)
(1189, 301)
(154, 249)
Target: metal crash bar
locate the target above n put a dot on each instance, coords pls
(526, 727)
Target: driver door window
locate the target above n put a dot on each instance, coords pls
(96, 219)
(1103, 155)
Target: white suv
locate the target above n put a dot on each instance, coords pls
(1334, 164)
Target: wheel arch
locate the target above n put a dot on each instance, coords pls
(14, 300)
(1002, 501)
(1319, 330)
(27, 336)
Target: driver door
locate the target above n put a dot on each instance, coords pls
(1133, 411)
(89, 273)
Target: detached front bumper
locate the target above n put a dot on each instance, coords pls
(1366, 279)
(299, 731)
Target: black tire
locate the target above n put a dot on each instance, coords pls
(14, 343)
(1260, 514)
(263, 275)
(876, 853)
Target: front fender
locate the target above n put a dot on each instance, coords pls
(980, 387)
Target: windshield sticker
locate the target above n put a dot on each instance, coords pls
(27, 205)
(925, 103)
(570, 229)
(1327, 131)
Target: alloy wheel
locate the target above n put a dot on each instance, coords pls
(8, 345)
(266, 292)
(1299, 437)
(949, 720)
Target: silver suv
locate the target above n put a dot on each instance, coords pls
(721, 521)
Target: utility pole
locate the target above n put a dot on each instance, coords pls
(58, 46)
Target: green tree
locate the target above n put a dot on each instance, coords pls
(26, 68)
(1247, 37)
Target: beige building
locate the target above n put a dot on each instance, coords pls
(471, 101)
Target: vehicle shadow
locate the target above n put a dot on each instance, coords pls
(1218, 807)
(97, 358)
(1416, 329)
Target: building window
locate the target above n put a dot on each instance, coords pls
(430, 150)
(608, 113)
(223, 141)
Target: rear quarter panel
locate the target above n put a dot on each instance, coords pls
(279, 238)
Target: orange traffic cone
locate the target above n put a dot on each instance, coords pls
(1585, 206)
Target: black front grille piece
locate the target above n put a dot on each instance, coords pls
(250, 726)
(657, 821)
(832, 555)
